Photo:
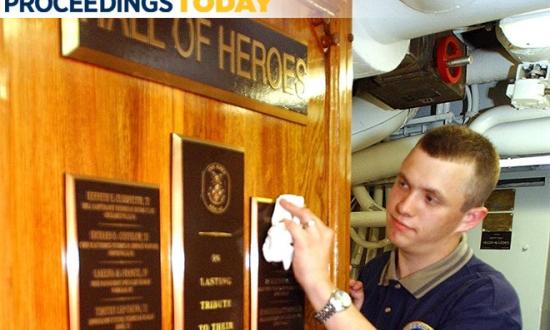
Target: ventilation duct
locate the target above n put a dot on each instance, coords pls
(382, 29)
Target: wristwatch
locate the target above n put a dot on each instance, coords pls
(339, 301)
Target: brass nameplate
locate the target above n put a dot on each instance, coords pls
(238, 61)
(496, 230)
(277, 300)
(208, 254)
(113, 254)
(501, 200)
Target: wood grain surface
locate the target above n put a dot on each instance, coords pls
(59, 115)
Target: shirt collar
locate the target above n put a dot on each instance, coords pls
(421, 282)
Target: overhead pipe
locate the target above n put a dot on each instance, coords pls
(505, 114)
(380, 161)
(513, 132)
(373, 121)
(434, 7)
(382, 29)
(488, 66)
(527, 137)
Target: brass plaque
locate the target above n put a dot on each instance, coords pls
(208, 252)
(501, 200)
(496, 231)
(113, 254)
(277, 300)
(498, 222)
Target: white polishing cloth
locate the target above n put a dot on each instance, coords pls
(278, 243)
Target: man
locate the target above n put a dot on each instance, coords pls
(431, 280)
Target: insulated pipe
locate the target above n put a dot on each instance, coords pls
(368, 245)
(373, 121)
(393, 21)
(526, 137)
(434, 7)
(380, 161)
(505, 114)
(382, 29)
(489, 66)
(364, 199)
(368, 219)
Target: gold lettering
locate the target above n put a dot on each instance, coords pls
(215, 281)
(287, 72)
(221, 326)
(109, 235)
(153, 41)
(215, 258)
(242, 55)
(103, 235)
(185, 53)
(122, 289)
(258, 62)
(274, 81)
(201, 39)
(134, 33)
(121, 309)
(128, 199)
(109, 23)
(204, 327)
(96, 196)
(120, 272)
(216, 304)
(301, 73)
(226, 48)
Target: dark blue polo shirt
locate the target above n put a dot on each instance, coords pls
(459, 292)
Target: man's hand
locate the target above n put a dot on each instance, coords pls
(312, 248)
(356, 292)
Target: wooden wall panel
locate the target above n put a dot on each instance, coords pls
(61, 115)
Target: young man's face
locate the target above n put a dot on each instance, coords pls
(424, 206)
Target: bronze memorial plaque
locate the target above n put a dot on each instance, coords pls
(277, 301)
(208, 254)
(113, 255)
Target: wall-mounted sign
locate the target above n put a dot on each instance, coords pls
(207, 235)
(496, 230)
(238, 61)
(276, 298)
(113, 255)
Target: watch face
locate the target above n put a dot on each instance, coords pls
(342, 299)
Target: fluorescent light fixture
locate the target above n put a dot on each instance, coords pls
(525, 161)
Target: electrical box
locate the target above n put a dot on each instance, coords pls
(423, 77)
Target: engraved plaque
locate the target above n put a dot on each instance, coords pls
(277, 299)
(113, 255)
(501, 200)
(498, 222)
(496, 231)
(208, 253)
(496, 240)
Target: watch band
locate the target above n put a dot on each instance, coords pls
(325, 313)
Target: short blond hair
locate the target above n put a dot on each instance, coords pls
(460, 144)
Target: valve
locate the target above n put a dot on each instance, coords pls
(449, 59)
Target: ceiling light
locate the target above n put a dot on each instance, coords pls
(525, 161)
